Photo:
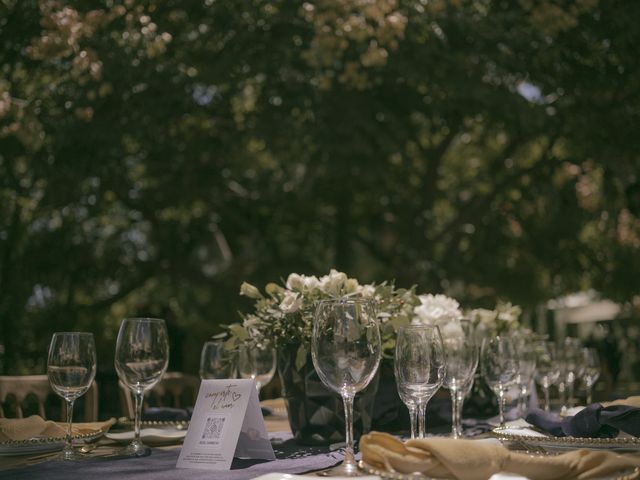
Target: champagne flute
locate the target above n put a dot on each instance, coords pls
(547, 369)
(526, 370)
(71, 368)
(499, 367)
(437, 361)
(258, 363)
(461, 362)
(572, 368)
(412, 368)
(216, 361)
(142, 356)
(591, 370)
(346, 350)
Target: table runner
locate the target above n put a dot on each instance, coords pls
(161, 465)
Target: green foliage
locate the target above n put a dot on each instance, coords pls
(484, 149)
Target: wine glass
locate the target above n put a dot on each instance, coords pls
(346, 350)
(591, 370)
(142, 356)
(71, 368)
(499, 367)
(216, 361)
(547, 369)
(526, 370)
(257, 362)
(461, 362)
(427, 376)
(412, 368)
(571, 368)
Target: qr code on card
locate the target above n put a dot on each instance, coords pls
(213, 429)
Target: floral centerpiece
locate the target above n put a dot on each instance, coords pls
(499, 321)
(282, 318)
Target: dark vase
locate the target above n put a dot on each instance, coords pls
(389, 413)
(316, 414)
(482, 402)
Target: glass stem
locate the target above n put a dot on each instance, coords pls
(68, 445)
(523, 398)
(422, 412)
(349, 457)
(455, 407)
(501, 405)
(570, 393)
(589, 394)
(546, 398)
(459, 416)
(412, 419)
(138, 417)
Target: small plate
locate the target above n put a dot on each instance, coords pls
(151, 436)
(42, 444)
(527, 435)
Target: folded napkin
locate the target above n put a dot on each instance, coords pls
(166, 414)
(36, 426)
(479, 460)
(594, 421)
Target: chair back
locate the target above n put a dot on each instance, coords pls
(17, 390)
(178, 390)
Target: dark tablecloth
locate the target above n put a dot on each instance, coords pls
(161, 465)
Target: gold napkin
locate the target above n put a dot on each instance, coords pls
(629, 401)
(476, 460)
(36, 426)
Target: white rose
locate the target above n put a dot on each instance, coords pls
(291, 302)
(249, 290)
(484, 317)
(351, 285)
(332, 284)
(311, 283)
(367, 290)
(437, 309)
(295, 282)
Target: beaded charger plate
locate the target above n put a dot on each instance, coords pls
(42, 444)
(533, 437)
(631, 474)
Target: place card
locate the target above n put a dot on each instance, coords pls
(226, 422)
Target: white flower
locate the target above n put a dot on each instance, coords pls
(367, 290)
(249, 290)
(436, 309)
(483, 316)
(295, 282)
(508, 313)
(351, 285)
(311, 283)
(291, 302)
(332, 283)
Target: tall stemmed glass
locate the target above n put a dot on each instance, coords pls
(472, 334)
(572, 367)
(547, 368)
(461, 362)
(71, 367)
(216, 361)
(591, 370)
(412, 368)
(346, 350)
(499, 367)
(142, 356)
(257, 363)
(526, 370)
(437, 362)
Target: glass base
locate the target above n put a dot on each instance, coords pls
(343, 470)
(136, 449)
(70, 454)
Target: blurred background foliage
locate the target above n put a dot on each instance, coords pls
(155, 154)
